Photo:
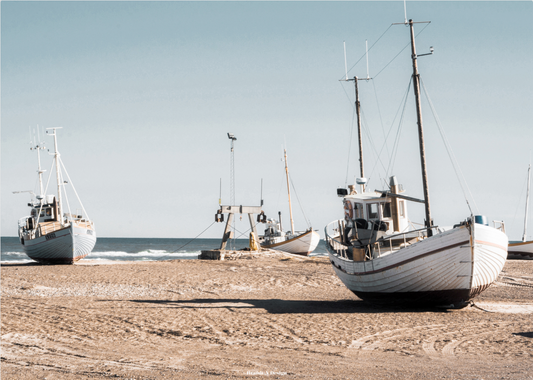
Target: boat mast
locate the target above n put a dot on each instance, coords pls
(288, 191)
(527, 202)
(38, 147)
(58, 178)
(416, 87)
(358, 111)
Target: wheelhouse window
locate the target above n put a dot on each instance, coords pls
(402, 208)
(373, 212)
(358, 211)
(386, 210)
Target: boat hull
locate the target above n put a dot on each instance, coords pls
(449, 268)
(302, 244)
(64, 246)
(520, 250)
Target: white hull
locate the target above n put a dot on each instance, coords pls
(521, 250)
(302, 244)
(441, 270)
(64, 246)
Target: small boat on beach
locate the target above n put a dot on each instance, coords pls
(522, 250)
(296, 242)
(382, 258)
(49, 235)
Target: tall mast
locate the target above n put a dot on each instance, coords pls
(358, 111)
(527, 202)
(416, 87)
(58, 178)
(289, 191)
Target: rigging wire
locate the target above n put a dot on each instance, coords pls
(359, 60)
(520, 198)
(371, 144)
(398, 133)
(380, 116)
(350, 148)
(190, 241)
(396, 56)
(457, 169)
(300, 204)
(73, 188)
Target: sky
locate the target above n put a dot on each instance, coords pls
(146, 92)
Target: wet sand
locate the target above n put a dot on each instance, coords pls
(273, 317)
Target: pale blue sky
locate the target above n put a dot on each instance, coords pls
(146, 92)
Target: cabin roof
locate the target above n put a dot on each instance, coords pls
(363, 197)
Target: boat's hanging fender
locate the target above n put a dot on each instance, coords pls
(348, 210)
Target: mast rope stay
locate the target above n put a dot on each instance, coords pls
(190, 241)
(455, 165)
(359, 60)
(73, 188)
(396, 56)
(399, 130)
(307, 221)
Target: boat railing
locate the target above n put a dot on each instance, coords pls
(387, 243)
(499, 225)
(49, 227)
(335, 244)
(22, 221)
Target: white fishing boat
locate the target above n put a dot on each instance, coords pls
(523, 249)
(296, 242)
(381, 258)
(49, 235)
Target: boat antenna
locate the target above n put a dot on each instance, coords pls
(345, 63)
(58, 173)
(38, 145)
(405, 11)
(527, 202)
(232, 137)
(355, 79)
(220, 192)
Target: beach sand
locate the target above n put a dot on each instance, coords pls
(271, 317)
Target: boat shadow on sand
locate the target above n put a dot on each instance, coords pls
(278, 306)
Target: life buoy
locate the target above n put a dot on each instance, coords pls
(348, 210)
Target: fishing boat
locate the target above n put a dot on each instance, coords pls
(49, 235)
(296, 242)
(382, 258)
(523, 249)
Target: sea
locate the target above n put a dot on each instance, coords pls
(138, 249)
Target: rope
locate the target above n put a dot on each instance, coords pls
(190, 241)
(451, 155)
(396, 56)
(398, 133)
(300, 204)
(359, 60)
(73, 188)
(472, 304)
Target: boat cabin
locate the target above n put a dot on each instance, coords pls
(44, 211)
(380, 211)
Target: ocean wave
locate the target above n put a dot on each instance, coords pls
(150, 253)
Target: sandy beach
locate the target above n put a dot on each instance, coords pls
(270, 317)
